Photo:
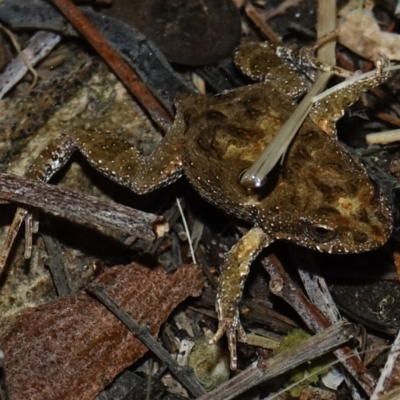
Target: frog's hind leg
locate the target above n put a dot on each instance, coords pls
(231, 282)
(119, 161)
(327, 111)
(113, 157)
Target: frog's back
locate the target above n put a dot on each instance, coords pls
(224, 135)
(320, 197)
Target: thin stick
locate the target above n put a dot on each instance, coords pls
(255, 176)
(253, 14)
(185, 375)
(115, 62)
(56, 264)
(383, 137)
(39, 45)
(187, 230)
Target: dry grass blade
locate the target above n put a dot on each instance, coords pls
(255, 176)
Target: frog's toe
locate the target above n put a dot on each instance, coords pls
(232, 328)
(218, 335)
(382, 61)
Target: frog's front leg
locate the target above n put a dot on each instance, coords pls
(231, 282)
(113, 157)
(330, 109)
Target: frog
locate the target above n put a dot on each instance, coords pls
(320, 197)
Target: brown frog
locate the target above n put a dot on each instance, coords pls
(320, 197)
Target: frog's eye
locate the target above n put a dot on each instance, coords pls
(320, 233)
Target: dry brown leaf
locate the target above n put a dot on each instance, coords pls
(359, 31)
(74, 347)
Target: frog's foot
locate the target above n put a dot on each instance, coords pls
(232, 327)
(231, 282)
(329, 109)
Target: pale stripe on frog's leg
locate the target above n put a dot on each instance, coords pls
(326, 112)
(231, 282)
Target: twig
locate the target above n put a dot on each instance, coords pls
(388, 118)
(186, 229)
(255, 176)
(281, 9)
(81, 207)
(321, 343)
(326, 23)
(383, 137)
(281, 285)
(56, 264)
(185, 375)
(38, 47)
(389, 379)
(115, 62)
(257, 19)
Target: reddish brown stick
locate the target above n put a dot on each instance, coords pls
(115, 62)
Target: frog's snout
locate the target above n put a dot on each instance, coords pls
(373, 231)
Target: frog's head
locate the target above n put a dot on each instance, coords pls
(332, 204)
(349, 224)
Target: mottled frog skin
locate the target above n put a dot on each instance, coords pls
(320, 197)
